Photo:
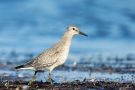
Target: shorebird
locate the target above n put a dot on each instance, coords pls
(54, 56)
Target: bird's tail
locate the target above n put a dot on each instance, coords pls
(18, 67)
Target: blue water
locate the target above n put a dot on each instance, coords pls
(31, 26)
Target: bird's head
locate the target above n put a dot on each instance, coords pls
(74, 30)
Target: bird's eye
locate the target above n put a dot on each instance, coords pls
(73, 28)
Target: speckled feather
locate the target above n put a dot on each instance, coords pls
(52, 57)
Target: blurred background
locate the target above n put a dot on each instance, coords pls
(32, 25)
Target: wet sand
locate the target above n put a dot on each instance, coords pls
(75, 85)
(113, 72)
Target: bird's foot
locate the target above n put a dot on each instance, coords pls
(51, 80)
(31, 81)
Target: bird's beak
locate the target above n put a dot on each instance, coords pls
(81, 33)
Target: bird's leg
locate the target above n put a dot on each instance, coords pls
(50, 78)
(33, 78)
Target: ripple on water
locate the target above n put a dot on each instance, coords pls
(68, 76)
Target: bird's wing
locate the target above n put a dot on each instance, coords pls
(45, 59)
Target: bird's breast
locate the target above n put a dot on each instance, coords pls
(62, 56)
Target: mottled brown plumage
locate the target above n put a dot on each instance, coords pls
(54, 56)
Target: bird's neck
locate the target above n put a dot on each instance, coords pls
(66, 39)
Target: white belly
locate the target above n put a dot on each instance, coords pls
(61, 60)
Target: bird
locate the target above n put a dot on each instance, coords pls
(52, 57)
